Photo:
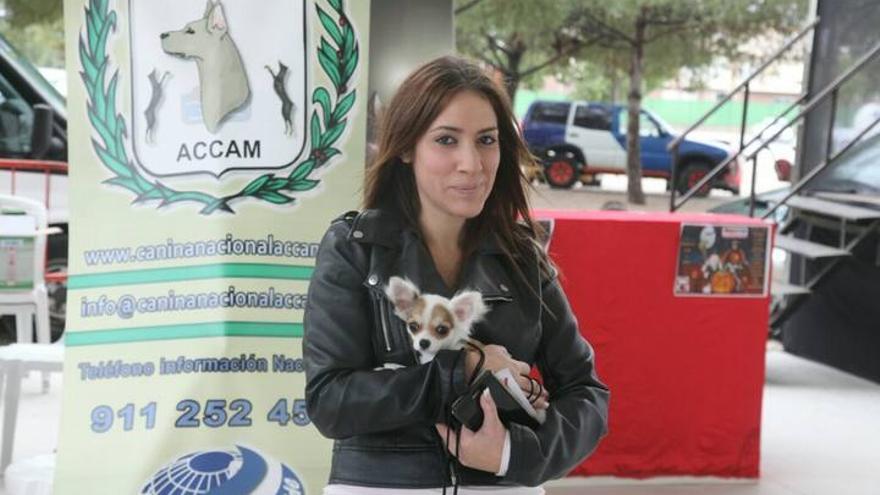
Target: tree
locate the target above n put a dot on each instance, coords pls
(599, 74)
(21, 13)
(601, 43)
(693, 29)
(521, 39)
(36, 29)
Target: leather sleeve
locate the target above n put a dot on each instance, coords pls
(578, 414)
(345, 396)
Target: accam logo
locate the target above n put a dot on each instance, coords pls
(224, 104)
(241, 471)
(218, 86)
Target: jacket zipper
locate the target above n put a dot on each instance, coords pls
(383, 317)
(497, 298)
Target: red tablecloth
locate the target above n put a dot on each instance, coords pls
(686, 373)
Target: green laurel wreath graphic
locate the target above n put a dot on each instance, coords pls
(338, 57)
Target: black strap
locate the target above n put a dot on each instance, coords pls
(480, 363)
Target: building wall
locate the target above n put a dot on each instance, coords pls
(847, 30)
(837, 323)
(403, 35)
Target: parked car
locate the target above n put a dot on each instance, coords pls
(33, 156)
(856, 172)
(578, 140)
(781, 149)
(763, 202)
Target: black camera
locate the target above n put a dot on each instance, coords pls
(467, 411)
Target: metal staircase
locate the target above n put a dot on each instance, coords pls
(852, 225)
(851, 217)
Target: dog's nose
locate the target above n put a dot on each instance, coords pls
(424, 344)
(163, 35)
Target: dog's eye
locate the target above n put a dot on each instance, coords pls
(413, 327)
(190, 31)
(442, 329)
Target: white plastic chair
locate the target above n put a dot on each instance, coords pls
(32, 301)
(16, 361)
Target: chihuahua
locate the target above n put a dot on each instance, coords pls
(434, 322)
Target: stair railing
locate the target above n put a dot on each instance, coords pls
(832, 91)
(674, 146)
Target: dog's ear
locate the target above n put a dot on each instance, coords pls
(402, 293)
(208, 6)
(216, 19)
(468, 307)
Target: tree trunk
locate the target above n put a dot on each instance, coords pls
(635, 195)
(511, 84)
(614, 81)
(512, 70)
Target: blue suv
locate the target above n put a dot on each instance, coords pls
(577, 140)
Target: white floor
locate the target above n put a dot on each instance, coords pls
(820, 435)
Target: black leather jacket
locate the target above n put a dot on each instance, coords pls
(383, 420)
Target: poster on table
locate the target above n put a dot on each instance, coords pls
(723, 261)
(212, 142)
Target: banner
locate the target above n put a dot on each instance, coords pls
(211, 144)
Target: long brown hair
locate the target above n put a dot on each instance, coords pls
(390, 183)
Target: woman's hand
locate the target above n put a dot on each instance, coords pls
(481, 449)
(534, 391)
(497, 358)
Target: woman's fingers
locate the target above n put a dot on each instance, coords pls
(497, 358)
(479, 449)
(447, 435)
(534, 391)
(490, 411)
(495, 348)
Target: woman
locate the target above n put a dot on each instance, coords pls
(446, 207)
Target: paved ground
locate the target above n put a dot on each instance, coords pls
(818, 437)
(613, 189)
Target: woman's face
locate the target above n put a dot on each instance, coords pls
(455, 161)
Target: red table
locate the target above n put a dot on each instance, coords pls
(686, 373)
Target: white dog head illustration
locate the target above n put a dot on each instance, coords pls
(222, 78)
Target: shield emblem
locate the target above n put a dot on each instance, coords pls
(217, 85)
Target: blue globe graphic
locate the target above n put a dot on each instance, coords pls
(224, 472)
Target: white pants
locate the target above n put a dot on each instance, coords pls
(464, 490)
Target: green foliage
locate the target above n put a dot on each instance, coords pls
(36, 29)
(41, 43)
(593, 36)
(602, 74)
(690, 27)
(22, 13)
(522, 39)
